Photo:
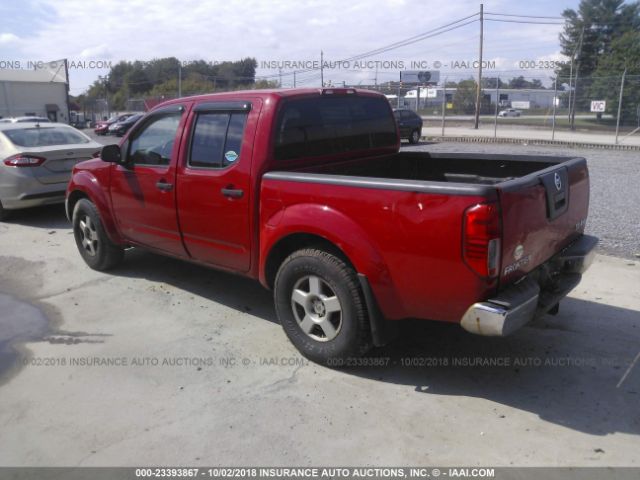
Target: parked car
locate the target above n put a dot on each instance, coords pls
(306, 190)
(121, 127)
(409, 124)
(102, 126)
(509, 112)
(25, 120)
(36, 161)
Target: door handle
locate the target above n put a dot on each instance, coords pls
(164, 186)
(231, 192)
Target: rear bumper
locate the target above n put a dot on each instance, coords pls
(534, 295)
(20, 189)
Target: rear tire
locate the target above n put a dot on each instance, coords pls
(91, 239)
(321, 307)
(4, 214)
(414, 137)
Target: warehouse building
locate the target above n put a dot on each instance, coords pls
(41, 92)
(536, 98)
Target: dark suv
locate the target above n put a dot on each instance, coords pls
(409, 123)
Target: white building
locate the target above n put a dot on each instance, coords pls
(537, 98)
(41, 92)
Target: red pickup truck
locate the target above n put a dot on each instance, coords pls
(306, 190)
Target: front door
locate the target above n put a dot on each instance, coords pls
(214, 184)
(143, 192)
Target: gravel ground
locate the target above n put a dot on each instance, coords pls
(614, 212)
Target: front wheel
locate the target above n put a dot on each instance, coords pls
(91, 239)
(415, 137)
(321, 307)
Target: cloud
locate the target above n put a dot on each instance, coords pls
(321, 22)
(8, 38)
(275, 30)
(97, 52)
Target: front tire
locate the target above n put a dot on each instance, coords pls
(414, 137)
(321, 307)
(91, 239)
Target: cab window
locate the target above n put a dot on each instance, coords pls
(154, 143)
(217, 139)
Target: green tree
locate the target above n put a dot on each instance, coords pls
(624, 55)
(588, 37)
(521, 82)
(464, 99)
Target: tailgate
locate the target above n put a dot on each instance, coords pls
(541, 214)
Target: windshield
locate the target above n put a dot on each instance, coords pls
(44, 136)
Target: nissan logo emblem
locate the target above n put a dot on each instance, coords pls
(558, 181)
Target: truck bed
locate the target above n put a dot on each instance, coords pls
(542, 200)
(477, 169)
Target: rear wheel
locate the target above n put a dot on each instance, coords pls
(415, 137)
(4, 214)
(321, 308)
(91, 239)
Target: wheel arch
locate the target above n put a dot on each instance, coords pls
(293, 242)
(85, 185)
(339, 234)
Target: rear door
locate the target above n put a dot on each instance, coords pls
(214, 183)
(541, 214)
(143, 193)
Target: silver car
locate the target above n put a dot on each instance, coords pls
(509, 112)
(36, 162)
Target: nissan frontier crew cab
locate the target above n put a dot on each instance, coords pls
(306, 190)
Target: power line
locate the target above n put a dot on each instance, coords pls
(522, 21)
(521, 16)
(402, 43)
(417, 38)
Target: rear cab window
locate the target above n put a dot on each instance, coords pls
(217, 139)
(329, 125)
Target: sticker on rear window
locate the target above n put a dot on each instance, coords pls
(231, 156)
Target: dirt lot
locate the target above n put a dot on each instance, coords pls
(164, 363)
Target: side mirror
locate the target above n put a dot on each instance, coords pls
(111, 154)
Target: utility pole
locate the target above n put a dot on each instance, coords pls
(479, 87)
(495, 120)
(444, 103)
(555, 101)
(620, 104)
(575, 87)
(321, 68)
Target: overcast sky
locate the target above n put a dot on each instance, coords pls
(276, 30)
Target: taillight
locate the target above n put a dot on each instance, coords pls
(481, 239)
(24, 161)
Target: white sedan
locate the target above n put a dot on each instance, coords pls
(509, 112)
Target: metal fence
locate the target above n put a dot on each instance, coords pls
(604, 109)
